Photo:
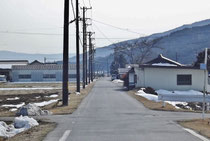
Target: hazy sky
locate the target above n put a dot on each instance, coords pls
(46, 16)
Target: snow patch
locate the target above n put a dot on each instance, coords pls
(52, 96)
(77, 93)
(147, 96)
(44, 103)
(13, 109)
(15, 98)
(32, 110)
(163, 64)
(117, 81)
(20, 124)
(27, 89)
(154, 98)
(13, 106)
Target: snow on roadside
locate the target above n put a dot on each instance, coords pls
(117, 81)
(163, 64)
(44, 103)
(15, 98)
(20, 124)
(13, 106)
(51, 96)
(28, 89)
(13, 109)
(153, 97)
(174, 103)
(147, 96)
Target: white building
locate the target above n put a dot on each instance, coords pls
(163, 73)
(6, 67)
(40, 72)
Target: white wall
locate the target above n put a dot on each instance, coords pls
(166, 78)
(37, 75)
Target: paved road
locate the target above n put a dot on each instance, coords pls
(109, 114)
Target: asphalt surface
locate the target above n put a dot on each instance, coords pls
(109, 114)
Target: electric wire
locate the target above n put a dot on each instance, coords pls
(72, 5)
(33, 33)
(124, 29)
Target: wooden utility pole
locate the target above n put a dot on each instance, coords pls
(65, 53)
(84, 47)
(90, 55)
(77, 46)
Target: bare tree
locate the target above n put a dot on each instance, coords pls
(137, 51)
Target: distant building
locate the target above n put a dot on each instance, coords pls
(164, 73)
(42, 72)
(3, 78)
(6, 67)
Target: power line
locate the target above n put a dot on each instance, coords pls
(72, 5)
(29, 33)
(102, 33)
(32, 33)
(124, 29)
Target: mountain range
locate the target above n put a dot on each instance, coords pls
(181, 44)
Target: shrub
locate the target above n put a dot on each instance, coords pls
(150, 90)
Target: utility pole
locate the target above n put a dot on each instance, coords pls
(94, 73)
(90, 54)
(205, 83)
(65, 53)
(92, 59)
(85, 73)
(84, 47)
(77, 46)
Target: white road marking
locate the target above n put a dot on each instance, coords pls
(196, 134)
(65, 135)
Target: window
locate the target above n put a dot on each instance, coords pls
(72, 76)
(49, 76)
(24, 76)
(184, 79)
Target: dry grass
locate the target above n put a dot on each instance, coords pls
(39, 132)
(151, 104)
(74, 101)
(198, 125)
(29, 96)
(32, 85)
(34, 134)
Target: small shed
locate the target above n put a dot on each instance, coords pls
(130, 79)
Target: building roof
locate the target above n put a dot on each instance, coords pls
(36, 62)
(43, 67)
(163, 61)
(13, 61)
(168, 67)
(7, 64)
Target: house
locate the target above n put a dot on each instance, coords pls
(6, 67)
(42, 72)
(164, 73)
